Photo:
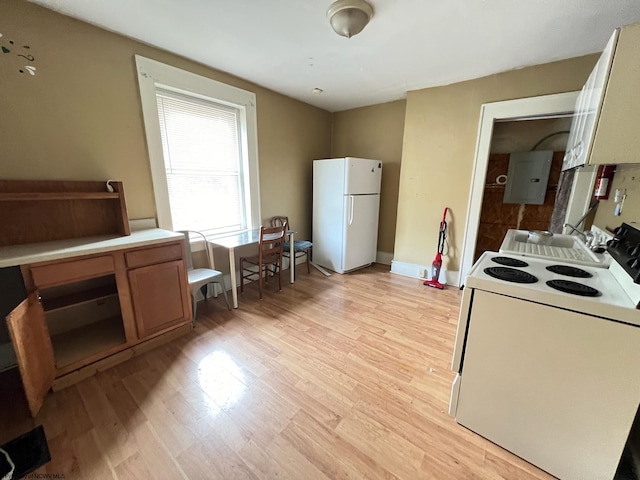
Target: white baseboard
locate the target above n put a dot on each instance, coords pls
(413, 270)
(409, 269)
(385, 258)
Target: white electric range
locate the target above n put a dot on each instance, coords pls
(548, 374)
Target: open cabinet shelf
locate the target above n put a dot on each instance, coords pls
(84, 320)
(85, 313)
(35, 211)
(78, 298)
(86, 341)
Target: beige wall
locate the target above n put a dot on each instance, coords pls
(626, 177)
(79, 117)
(523, 135)
(441, 128)
(375, 132)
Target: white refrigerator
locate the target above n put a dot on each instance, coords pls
(346, 201)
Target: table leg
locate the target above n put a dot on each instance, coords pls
(232, 272)
(292, 259)
(212, 265)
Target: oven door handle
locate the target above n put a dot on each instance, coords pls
(463, 328)
(455, 393)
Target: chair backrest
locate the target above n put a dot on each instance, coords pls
(271, 240)
(279, 221)
(187, 247)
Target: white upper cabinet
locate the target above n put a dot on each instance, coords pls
(604, 129)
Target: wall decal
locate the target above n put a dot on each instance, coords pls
(9, 47)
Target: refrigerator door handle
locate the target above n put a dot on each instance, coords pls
(351, 209)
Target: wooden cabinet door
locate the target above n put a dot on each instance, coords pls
(160, 296)
(34, 350)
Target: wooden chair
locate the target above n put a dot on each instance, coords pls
(268, 260)
(300, 247)
(200, 278)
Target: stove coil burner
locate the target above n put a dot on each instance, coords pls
(574, 288)
(569, 271)
(510, 262)
(510, 274)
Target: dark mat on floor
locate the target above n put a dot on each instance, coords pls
(626, 469)
(27, 452)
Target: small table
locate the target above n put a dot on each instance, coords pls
(248, 238)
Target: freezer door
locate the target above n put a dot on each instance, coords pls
(362, 176)
(360, 231)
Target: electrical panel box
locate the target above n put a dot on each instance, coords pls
(527, 177)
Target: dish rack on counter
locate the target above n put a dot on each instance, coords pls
(567, 248)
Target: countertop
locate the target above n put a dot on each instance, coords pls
(14, 255)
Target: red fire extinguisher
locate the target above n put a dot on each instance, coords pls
(603, 181)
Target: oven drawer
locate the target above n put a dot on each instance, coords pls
(549, 384)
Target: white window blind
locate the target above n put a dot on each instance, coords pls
(203, 163)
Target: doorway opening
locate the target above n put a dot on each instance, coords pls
(498, 214)
(551, 108)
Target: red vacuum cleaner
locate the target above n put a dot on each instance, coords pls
(436, 265)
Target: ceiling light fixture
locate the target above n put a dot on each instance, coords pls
(349, 17)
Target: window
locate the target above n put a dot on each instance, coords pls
(201, 136)
(202, 159)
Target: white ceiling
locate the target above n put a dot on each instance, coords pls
(288, 45)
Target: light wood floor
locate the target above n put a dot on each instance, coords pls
(335, 377)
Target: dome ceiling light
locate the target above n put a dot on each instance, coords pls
(349, 17)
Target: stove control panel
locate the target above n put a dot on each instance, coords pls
(625, 249)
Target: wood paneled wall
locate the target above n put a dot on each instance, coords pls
(497, 217)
